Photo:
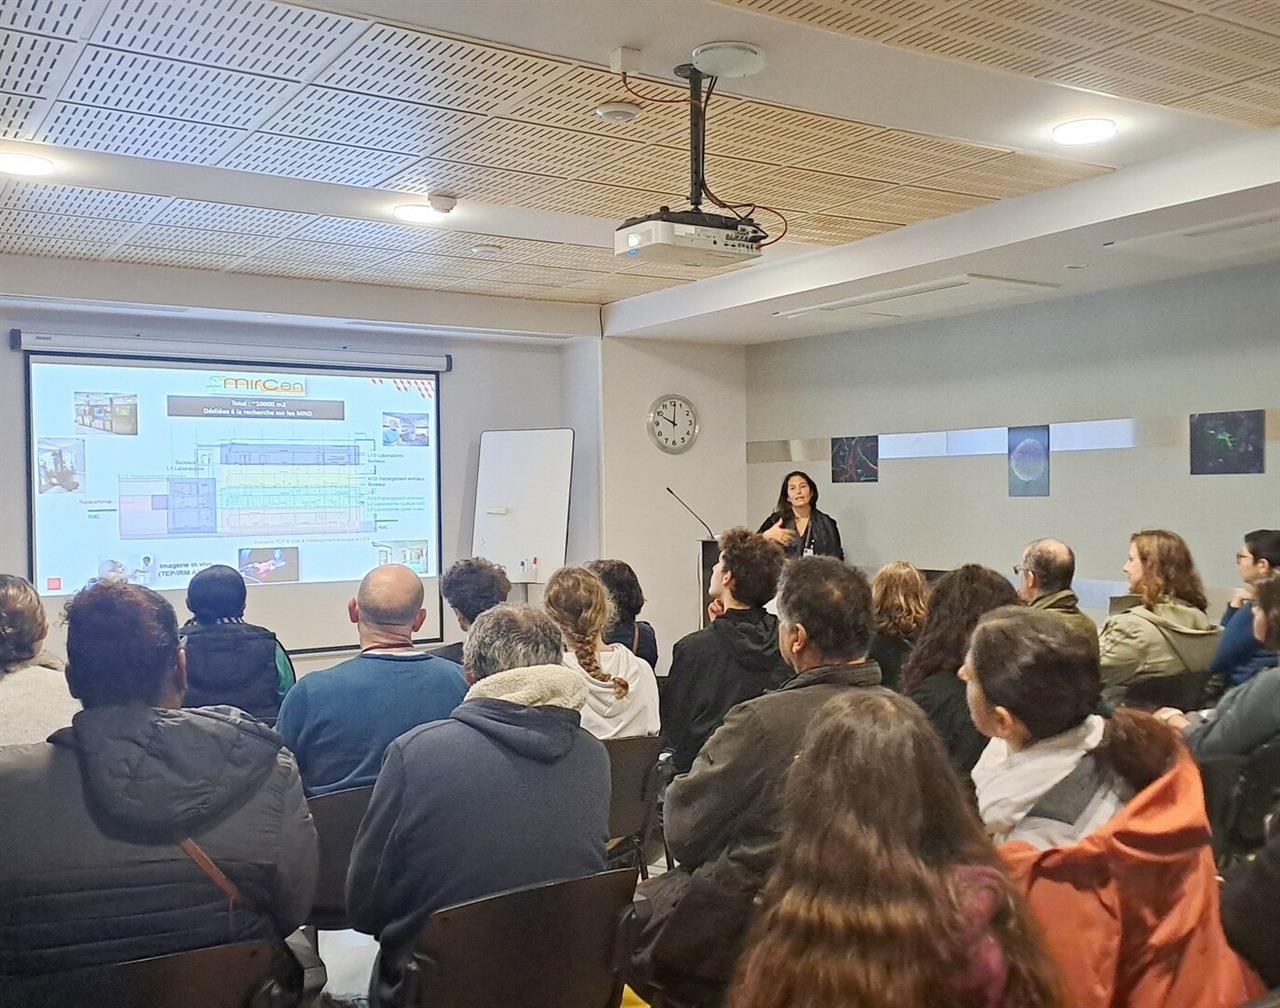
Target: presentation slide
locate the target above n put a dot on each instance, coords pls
(152, 471)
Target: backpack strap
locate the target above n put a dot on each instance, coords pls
(206, 864)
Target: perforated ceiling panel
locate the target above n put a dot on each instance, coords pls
(144, 256)
(259, 36)
(824, 229)
(298, 270)
(296, 250)
(59, 199)
(488, 185)
(909, 204)
(167, 88)
(32, 64)
(131, 133)
(232, 217)
(421, 67)
(413, 265)
(1011, 175)
(1173, 52)
(369, 121)
(179, 239)
(315, 160)
(19, 116)
(370, 234)
(568, 101)
(45, 225)
(761, 132)
(59, 18)
(54, 248)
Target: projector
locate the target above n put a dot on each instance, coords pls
(690, 238)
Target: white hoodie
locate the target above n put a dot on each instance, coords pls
(606, 716)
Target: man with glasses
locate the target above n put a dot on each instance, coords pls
(1044, 582)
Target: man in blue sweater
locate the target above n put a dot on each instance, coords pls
(339, 721)
(1239, 657)
(509, 791)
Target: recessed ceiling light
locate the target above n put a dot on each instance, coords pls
(485, 250)
(1076, 266)
(417, 213)
(13, 163)
(1079, 132)
(617, 111)
(729, 59)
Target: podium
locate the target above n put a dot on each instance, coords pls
(708, 557)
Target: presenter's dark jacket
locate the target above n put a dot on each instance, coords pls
(823, 536)
(736, 658)
(90, 868)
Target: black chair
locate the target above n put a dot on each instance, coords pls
(1181, 690)
(337, 817)
(1220, 777)
(633, 770)
(1240, 793)
(556, 945)
(1268, 1000)
(226, 976)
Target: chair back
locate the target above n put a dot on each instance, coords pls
(226, 976)
(1181, 690)
(1269, 1000)
(1259, 792)
(337, 818)
(1220, 776)
(556, 945)
(633, 763)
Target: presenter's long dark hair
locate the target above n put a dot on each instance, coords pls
(886, 888)
(783, 510)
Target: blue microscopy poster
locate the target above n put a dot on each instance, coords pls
(1029, 461)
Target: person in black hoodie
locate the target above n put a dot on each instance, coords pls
(508, 791)
(736, 657)
(91, 867)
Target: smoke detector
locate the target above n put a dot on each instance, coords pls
(617, 111)
(728, 59)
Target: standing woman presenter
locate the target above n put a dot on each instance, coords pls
(796, 523)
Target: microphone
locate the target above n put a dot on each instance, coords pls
(691, 511)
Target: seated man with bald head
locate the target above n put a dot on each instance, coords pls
(1044, 582)
(339, 721)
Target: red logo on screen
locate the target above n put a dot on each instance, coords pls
(53, 584)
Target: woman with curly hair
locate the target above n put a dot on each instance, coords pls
(34, 699)
(1101, 819)
(1167, 631)
(887, 894)
(959, 598)
(622, 691)
(899, 604)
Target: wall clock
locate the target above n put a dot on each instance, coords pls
(672, 423)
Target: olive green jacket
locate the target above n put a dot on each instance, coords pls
(1066, 605)
(1139, 643)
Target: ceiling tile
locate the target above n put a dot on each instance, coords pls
(34, 65)
(531, 147)
(138, 135)
(497, 288)
(1013, 175)
(416, 264)
(369, 233)
(47, 198)
(55, 248)
(231, 217)
(745, 182)
(177, 239)
(1261, 14)
(178, 258)
(298, 270)
(598, 200)
(758, 131)
(259, 36)
(315, 160)
(548, 276)
(899, 156)
(133, 83)
(569, 100)
(60, 18)
(487, 185)
(656, 168)
(19, 116)
(296, 250)
(436, 70)
(1256, 102)
(321, 113)
(46, 225)
(825, 229)
(871, 19)
(909, 204)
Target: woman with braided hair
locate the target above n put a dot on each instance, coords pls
(622, 691)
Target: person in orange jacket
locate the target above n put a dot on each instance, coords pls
(1101, 821)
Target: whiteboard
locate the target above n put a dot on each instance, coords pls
(522, 501)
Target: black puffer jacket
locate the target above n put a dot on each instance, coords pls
(734, 659)
(90, 870)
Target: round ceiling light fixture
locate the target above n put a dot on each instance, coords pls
(617, 111)
(1079, 132)
(728, 59)
(432, 212)
(486, 249)
(13, 163)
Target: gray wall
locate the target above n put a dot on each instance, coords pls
(1156, 352)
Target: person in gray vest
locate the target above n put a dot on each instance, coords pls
(231, 662)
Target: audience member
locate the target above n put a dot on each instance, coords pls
(93, 871)
(1249, 901)
(959, 598)
(736, 657)
(470, 587)
(1102, 819)
(627, 628)
(508, 791)
(887, 894)
(723, 818)
(1248, 717)
(1241, 654)
(622, 691)
(33, 690)
(899, 604)
(339, 721)
(230, 661)
(1163, 630)
(1044, 582)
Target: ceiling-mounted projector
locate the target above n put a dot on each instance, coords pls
(689, 238)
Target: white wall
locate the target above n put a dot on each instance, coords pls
(1158, 351)
(580, 378)
(492, 385)
(642, 524)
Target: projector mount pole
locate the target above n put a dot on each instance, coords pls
(696, 132)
